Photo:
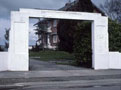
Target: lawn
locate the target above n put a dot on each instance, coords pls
(51, 55)
(58, 57)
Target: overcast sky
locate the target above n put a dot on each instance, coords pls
(12, 5)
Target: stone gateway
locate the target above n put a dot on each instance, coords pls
(17, 58)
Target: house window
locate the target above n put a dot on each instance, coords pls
(54, 38)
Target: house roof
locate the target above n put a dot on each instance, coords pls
(72, 5)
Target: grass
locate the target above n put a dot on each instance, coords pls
(52, 55)
(59, 57)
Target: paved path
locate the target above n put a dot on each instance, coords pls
(36, 65)
(50, 76)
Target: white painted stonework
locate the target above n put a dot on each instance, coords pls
(3, 61)
(18, 59)
(115, 60)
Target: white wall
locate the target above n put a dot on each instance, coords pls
(3, 61)
(18, 49)
(114, 60)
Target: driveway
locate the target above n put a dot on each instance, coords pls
(36, 65)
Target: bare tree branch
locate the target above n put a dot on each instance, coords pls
(113, 9)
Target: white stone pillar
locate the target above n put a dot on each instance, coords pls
(100, 43)
(18, 49)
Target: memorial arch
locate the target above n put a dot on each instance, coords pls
(18, 58)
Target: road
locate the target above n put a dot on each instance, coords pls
(50, 76)
(60, 86)
(77, 88)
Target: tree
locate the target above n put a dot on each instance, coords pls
(113, 9)
(1, 49)
(66, 28)
(7, 37)
(41, 29)
(114, 36)
(82, 44)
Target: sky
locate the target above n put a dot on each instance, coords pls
(6, 6)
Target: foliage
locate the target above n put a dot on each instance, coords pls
(40, 31)
(76, 37)
(82, 44)
(1, 49)
(65, 33)
(52, 55)
(114, 36)
(66, 28)
(113, 9)
(7, 37)
(82, 41)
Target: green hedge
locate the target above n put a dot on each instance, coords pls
(82, 44)
(1, 49)
(82, 41)
(114, 36)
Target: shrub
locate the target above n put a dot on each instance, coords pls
(82, 44)
(114, 36)
(82, 41)
(1, 49)
(66, 29)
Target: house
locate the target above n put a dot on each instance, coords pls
(82, 6)
(49, 38)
